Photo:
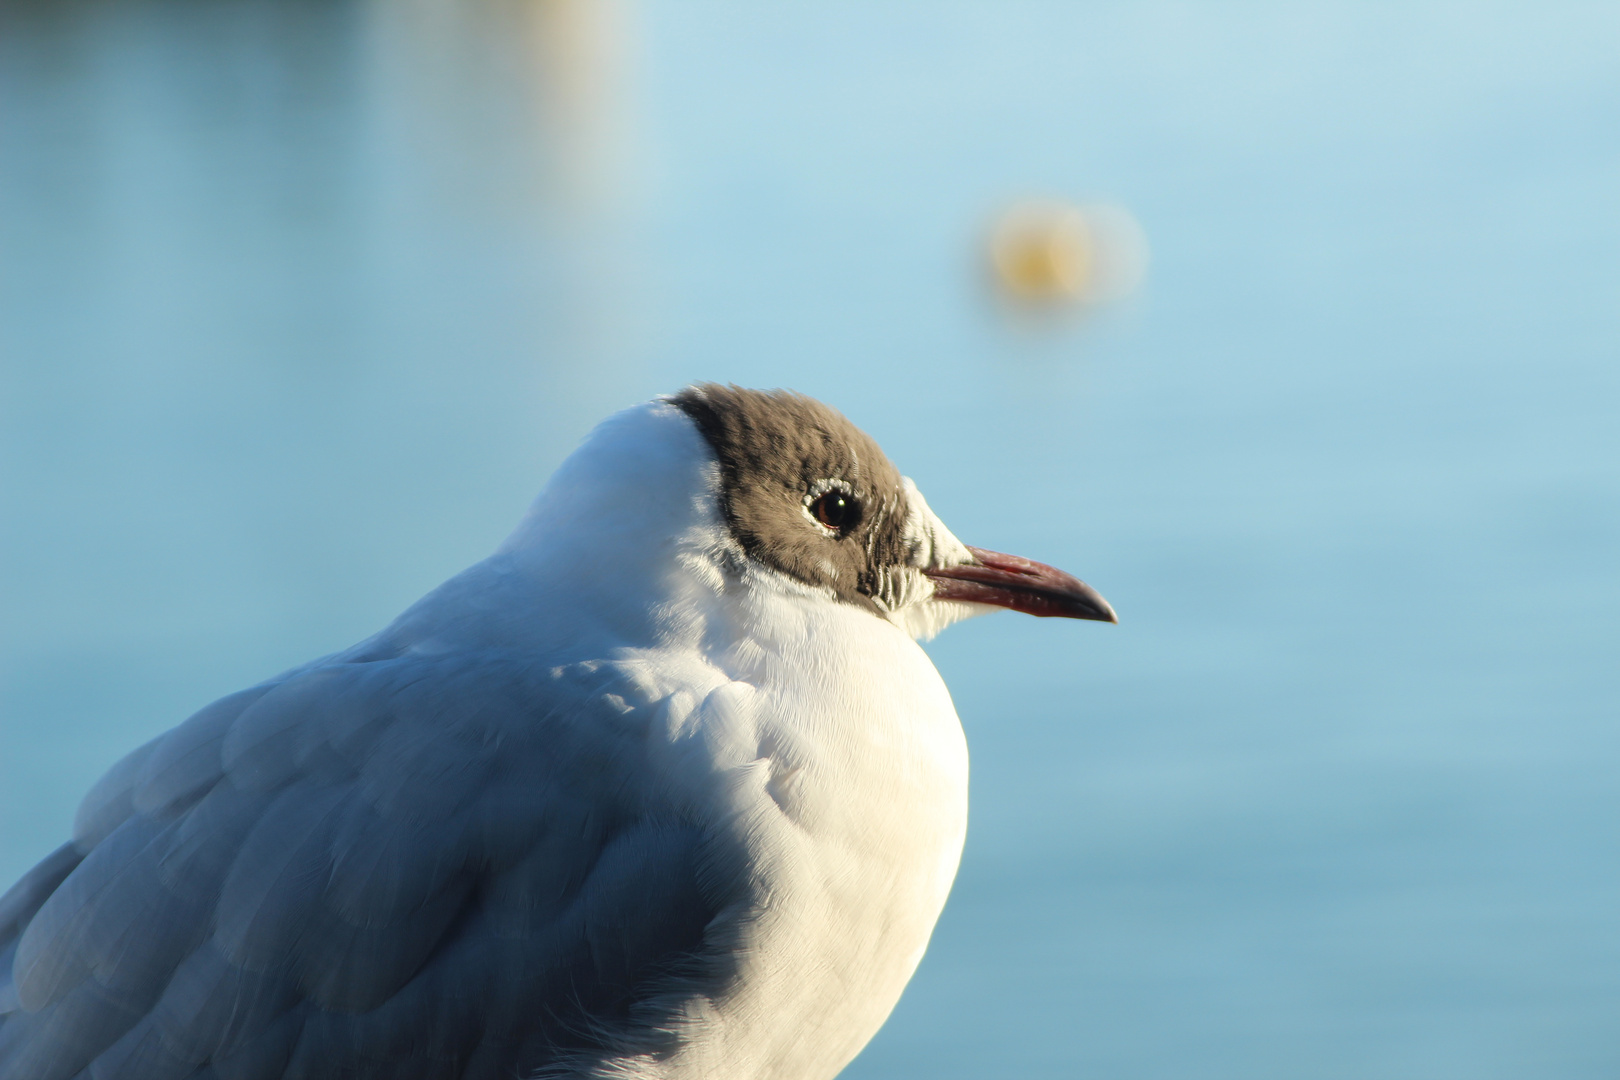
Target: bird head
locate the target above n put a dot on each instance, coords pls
(808, 494)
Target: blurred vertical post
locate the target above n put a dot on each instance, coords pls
(518, 112)
(579, 49)
(582, 71)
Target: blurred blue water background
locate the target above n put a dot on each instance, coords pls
(301, 301)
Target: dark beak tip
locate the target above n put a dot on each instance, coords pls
(1102, 612)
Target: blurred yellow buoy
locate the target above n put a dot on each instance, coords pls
(1055, 253)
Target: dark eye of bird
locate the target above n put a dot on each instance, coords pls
(837, 510)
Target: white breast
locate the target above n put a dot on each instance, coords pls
(814, 733)
(849, 789)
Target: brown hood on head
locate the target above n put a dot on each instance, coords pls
(778, 452)
(807, 493)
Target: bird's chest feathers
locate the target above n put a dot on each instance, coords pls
(849, 790)
(855, 737)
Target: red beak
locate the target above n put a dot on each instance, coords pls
(1022, 585)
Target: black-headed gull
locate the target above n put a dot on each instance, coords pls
(663, 788)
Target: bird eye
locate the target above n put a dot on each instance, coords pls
(838, 510)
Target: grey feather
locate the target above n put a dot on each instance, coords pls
(407, 867)
(143, 1052)
(186, 763)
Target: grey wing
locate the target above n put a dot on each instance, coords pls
(404, 868)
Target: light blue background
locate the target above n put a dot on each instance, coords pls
(300, 303)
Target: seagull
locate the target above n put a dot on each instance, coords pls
(664, 788)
